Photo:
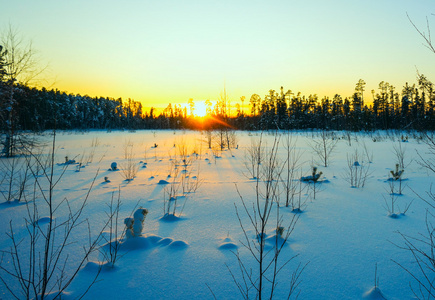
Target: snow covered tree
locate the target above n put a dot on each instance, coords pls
(20, 67)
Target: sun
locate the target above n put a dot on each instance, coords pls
(200, 109)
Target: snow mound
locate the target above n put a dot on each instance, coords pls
(93, 266)
(165, 241)
(43, 220)
(154, 238)
(374, 294)
(150, 241)
(178, 245)
(136, 243)
(227, 246)
(14, 203)
(170, 218)
(275, 240)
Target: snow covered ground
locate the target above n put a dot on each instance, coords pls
(340, 237)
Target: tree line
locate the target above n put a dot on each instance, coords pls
(30, 108)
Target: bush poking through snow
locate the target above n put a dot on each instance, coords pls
(113, 166)
(397, 177)
(314, 177)
(397, 174)
(280, 231)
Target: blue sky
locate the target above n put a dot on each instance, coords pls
(161, 52)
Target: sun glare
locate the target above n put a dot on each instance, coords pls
(200, 109)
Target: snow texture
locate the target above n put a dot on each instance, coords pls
(340, 236)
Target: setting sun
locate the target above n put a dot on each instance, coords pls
(200, 109)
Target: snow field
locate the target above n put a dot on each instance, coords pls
(340, 235)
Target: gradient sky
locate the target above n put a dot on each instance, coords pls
(161, 52)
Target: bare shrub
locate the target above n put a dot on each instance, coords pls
(14, 178)
(129, 168)
(391, 205)
(209, 138)
(297, 203)
(262, 281)
(184, 181)
(94, 145)
(367, 154)
(422, 246)
(231, 138)
(291, 165)
(422, 250)
(429, 161)
(357, 171)
(171, 190)
(39, 262)
(254, 157)
(324, 147)
(127, 147)
(400, 152)
(191, 181)
(111, 252)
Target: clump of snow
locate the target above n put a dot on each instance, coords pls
(113, 166)
(139, 218)
(43, 220)
(134, 226)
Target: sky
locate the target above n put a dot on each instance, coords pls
(161, 52)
